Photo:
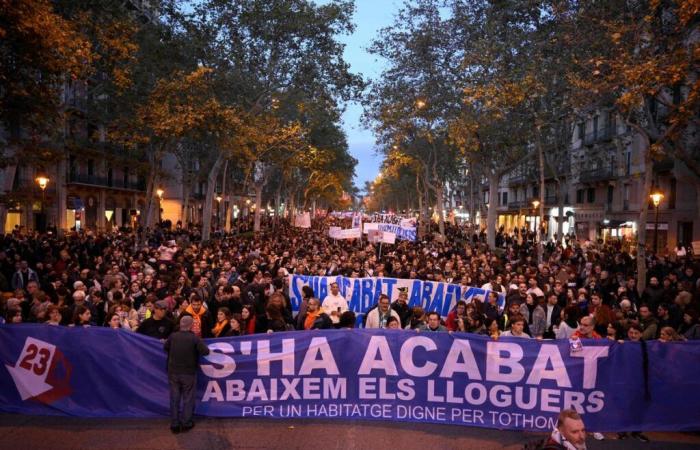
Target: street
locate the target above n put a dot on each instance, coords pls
(58, 433)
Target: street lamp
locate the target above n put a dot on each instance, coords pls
(159, 193)
(218, 210)
(420, 104)
(42, 180)
(656, 197)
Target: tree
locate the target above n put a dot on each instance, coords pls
(642, 57)
(493, 128)
(410, 106)
(269, 52)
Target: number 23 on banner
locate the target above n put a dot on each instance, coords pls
(32, 366)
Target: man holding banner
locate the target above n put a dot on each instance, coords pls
(183, 349)
(334, 304)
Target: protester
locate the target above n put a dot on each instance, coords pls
(379, 316)
(158, 326)
(569, 434)
(517, 328)
(184, 349)
(334, 304)
(433, 324)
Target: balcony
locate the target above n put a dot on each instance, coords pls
(551, 200)
(94, 180)
(596, 175)
(520, 204)
(604, 135)
(518, 180)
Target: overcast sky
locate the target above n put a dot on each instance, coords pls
(370, 16)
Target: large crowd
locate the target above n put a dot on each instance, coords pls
(237, 284)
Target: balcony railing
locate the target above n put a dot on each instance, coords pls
(551, 200)
(520, 204)
(594, 175)
(603, 135)
(516, 180)
(94, 180)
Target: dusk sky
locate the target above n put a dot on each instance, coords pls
(370, 16)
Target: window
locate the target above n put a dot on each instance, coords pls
(628, 162)
(91, 167)
(72, 167)
(126, 177)
(581, 130)
(626, 197)
(672, 195)
(579, 196)
(486, 197)
(110, 177)
(595, 127)
(591, 195)
(611, 191)
(505, 199)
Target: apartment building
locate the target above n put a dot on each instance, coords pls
(91, 183)
(608, 186)
(598, 186)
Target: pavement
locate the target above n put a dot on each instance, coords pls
(18, 432)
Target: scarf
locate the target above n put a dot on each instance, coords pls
(310, 319)
(216, 331)
(197, 320)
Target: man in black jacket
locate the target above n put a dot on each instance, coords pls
(183, 349)
(158, 326)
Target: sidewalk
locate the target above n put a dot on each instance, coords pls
(59, 433)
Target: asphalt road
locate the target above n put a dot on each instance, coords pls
(35, 433)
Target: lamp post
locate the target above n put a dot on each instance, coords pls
(42, 180)
(535, 205)
(159, 193)
(218, 210)
(656, 198)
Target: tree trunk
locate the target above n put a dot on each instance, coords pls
(209, 199)
(151, 188)
(219, 212)
(291, 204)
(61, 199)
(258, 206)
(278, 202)
(560, 218)
(540, 212)
(186, 187)
(440, 194)
(421, 217)
(472, 210)
(492, 213)
(228, 210)
(643, 212)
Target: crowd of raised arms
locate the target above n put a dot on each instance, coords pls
(237, 283)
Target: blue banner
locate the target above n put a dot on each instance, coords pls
(359, 374)
(403, 233)
(363, 293)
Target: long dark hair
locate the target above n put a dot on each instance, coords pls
(79, 310)
(571, 316)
